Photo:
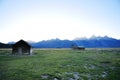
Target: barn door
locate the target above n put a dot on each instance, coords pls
(20, 50)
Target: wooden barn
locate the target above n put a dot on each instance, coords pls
(21, 48)
(78, 47)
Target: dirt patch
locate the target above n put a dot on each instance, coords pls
(48, 76)
(89, 66)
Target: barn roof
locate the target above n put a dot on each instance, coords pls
(21, 42)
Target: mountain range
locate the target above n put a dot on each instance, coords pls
(92, 42)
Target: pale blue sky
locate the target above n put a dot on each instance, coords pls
(65, 19)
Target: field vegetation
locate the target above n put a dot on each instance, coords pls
(61, 64)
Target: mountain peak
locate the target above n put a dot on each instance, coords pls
(100, 37)
(80, 38)
(93, 37)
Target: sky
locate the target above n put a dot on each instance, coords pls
(38, 20)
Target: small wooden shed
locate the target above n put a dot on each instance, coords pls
(78, 47)
(21, 48)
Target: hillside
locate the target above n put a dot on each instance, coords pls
(53, 43)
(93, 42)
(2, 45)
(99, 42)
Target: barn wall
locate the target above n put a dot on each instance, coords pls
(24, 49)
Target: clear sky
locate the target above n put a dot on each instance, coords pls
(38, 20)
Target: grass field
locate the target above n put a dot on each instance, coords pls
(61, 64)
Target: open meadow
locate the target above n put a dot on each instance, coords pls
(61, 64)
